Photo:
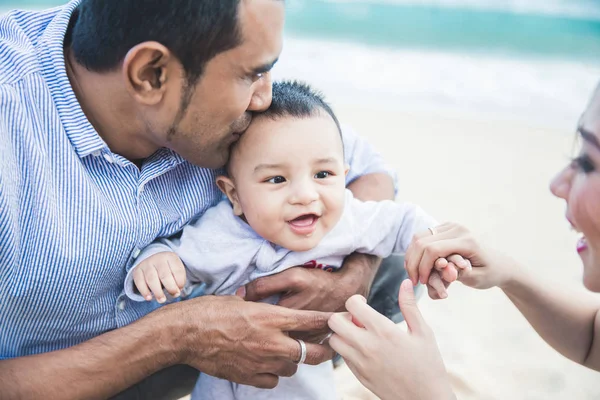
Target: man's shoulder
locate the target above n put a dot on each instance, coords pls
(19, 34)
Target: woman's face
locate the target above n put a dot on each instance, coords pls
(579, 185)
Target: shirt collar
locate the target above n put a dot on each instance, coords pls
(81, 133)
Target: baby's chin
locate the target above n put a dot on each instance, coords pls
(301, 244)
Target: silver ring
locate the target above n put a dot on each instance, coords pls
(432, 230)
(302, 352)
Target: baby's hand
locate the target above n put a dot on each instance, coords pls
(162, 270)
(445, 271)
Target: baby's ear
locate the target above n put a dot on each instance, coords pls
(227, 186)
(346, 169)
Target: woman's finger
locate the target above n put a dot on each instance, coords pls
(408, 306)
(365, 315)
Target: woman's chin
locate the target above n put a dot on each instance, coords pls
(591, 273)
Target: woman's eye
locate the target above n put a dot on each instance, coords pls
(322, 175)
(276, 179)
(584, 163)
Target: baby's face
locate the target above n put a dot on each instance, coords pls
(289, 177)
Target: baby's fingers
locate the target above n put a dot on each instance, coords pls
(436, 286)
(153, 282)
(168, 280)
(460, 261)
(140, 283)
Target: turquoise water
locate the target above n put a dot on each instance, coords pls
(556, 28)
(435, 27)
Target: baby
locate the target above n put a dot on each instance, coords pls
(286, 205)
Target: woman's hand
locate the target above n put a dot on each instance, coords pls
(487, 269)
(391, 363)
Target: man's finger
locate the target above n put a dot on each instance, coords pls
(264, 381)
(459, 261)
(300, 320)
(408, 306)
(268, 286)
(317, 353)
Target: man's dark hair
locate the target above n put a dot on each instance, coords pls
(103, 31)
(297, 99)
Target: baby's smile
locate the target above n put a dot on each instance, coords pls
(304, 224)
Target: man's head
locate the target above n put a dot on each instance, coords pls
(195, 70)
(287, 171)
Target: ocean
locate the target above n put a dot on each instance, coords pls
(530, 60)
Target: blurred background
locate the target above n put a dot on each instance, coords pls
(474, 104)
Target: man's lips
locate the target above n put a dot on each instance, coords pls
(304, 224)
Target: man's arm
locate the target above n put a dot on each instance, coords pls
(222, 336)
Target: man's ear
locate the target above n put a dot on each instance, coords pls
(146, 68)
(227, 186)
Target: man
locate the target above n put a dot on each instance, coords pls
(113, 116)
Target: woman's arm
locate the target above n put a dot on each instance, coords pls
(566, 319)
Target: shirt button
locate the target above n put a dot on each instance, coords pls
(121, 305)
(109, 158)
(136, 252)
(96, 153)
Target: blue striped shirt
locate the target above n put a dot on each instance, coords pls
(73, 214)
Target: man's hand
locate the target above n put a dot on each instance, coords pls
(243, 342)
(313, 289)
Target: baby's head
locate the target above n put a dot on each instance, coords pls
(287, 171)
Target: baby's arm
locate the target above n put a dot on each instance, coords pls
(159, 272)
(386, 227)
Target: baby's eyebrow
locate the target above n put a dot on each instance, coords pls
(266, 166)
(326, 160)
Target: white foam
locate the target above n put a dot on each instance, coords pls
(540, 90)
(588, 9)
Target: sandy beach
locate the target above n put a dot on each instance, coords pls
(492, 176)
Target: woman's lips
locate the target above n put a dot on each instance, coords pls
(304, 224)
(581, 244)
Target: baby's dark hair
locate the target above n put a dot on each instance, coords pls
(297, 99)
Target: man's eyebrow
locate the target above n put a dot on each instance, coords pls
(589, 137)
(266, 166)
(265, 67)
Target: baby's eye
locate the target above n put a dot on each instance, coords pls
(322, 175)
(276, 179)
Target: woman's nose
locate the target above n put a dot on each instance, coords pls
(561, 184)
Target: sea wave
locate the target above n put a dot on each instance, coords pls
(549, 92)
(584, 9)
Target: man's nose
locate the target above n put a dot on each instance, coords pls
(561, 184)
(263, 94)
